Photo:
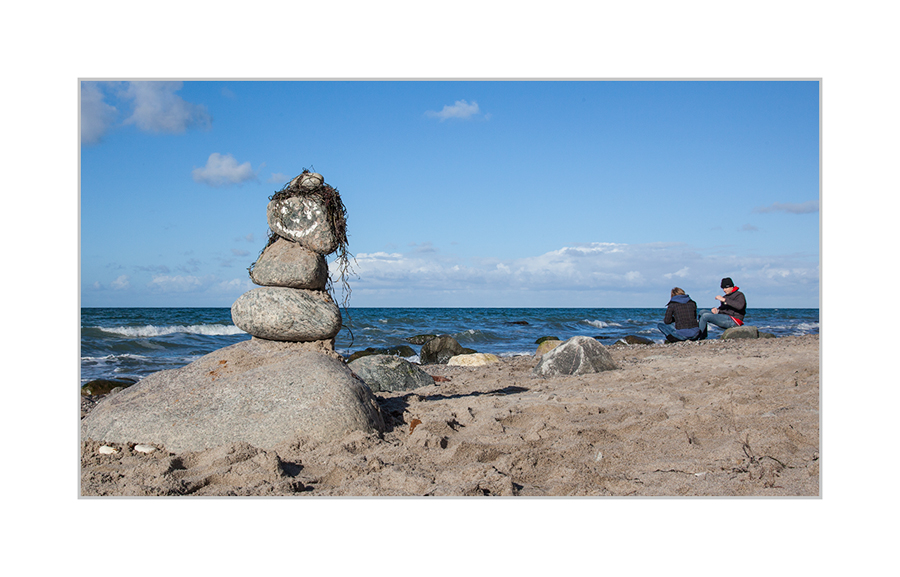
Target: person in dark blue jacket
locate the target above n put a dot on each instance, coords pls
(680, 322)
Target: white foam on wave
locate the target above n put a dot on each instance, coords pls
(600, 324)
(515, 354)
(154, 331)
(113, 358)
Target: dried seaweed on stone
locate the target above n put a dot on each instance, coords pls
(336, 213)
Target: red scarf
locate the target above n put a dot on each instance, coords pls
(739, 322)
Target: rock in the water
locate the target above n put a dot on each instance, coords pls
(472, 360)
(542, 339)
(576, 356)
(635, 340)
(439, 350)
(547, 346)
(303, 219)
(390, 373)
(398, 351)
(288, 264)
(260, 392)
(419, 339)
(105, 386)
(763, 335)
(285, 314)
(742, 332)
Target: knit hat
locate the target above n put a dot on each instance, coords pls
(726, 282)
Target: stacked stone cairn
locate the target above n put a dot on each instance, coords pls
(285, 382)
(293, 303)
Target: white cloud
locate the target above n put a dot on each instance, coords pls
(279, 178)
(158, 109)
(680, 273)
(223, 170)
(166, 283)
(460, 109)
(96, 115)
(601, 273)
(120, 283)
(791, 207)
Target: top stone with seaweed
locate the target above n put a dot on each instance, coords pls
(309, 212)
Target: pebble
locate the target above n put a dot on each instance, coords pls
(144, 448)
(107, 450)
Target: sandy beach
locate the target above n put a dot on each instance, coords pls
(711, 418)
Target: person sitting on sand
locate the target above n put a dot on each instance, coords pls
(730, 313)
(682, 313)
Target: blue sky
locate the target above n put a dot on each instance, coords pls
(459, 193)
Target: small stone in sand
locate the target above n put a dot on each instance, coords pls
(144, 448)
(107, 450)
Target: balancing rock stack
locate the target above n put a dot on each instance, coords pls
(284, 383)
(293, 303)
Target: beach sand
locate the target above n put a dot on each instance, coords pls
(712, 418)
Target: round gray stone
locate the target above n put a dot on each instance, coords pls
(390, 373)
(576, 356)
(286, 314)
(258, 392)
(741, 332)
(439, 350)
(289, 264)
(302, 219)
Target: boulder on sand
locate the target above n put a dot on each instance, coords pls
(285, 314)
(260, 392)
(105, 386)
(390, 373)
(576, 356)
(742, 332)
(547, 346)
(398, 351)
(439, 350)
(634, 340)
(472, 360)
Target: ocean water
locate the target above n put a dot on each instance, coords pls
(135, 342)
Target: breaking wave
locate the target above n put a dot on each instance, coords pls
(154, 331)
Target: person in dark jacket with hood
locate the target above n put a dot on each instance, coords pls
(730, 313)
(680, 322)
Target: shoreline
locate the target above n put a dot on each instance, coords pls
(707, 418)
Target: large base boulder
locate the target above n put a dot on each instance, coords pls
(260, 392)
(390, 373)
(285, 314)
(576, 356)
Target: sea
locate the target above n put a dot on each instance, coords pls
(135, 342)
